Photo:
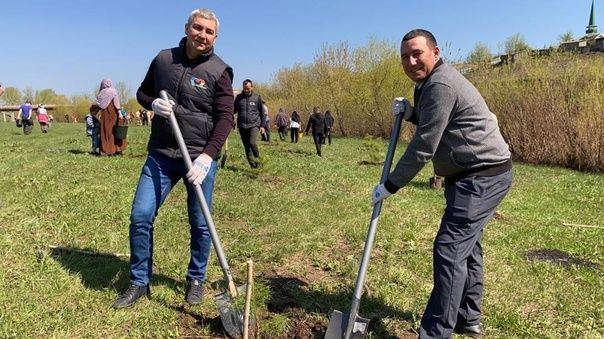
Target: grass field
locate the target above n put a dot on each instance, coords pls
(302, 220)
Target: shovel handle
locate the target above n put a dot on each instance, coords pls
(248, 299)
(358, 289)
(202, 202)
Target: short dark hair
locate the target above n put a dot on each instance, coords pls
(421, 32)
(248, 81)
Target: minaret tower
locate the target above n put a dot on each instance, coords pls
(592, 28)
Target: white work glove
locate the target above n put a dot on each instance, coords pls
(379, 193)
(400, 105)
(162, 107)
(199, 170)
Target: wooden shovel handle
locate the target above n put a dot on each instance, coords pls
(248, 299)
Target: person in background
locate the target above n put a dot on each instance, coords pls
(250, 120)
(93, 129)
(108, 102)
(328, 126)
(26, 116)
(266, 136)
(144, 117)
(281, 122)
(1, 90)
(456, 130)
(43, 118)
(202, 103)
(294, 126)
(316, 122)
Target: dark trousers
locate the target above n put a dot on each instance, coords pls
(282, 133)
(248, 137)
(28, 125)
(327, 136)
(266, 136)
(457, 254)
(294, 134)
(318, 139)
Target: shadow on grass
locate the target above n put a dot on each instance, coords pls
(101, 271)
(77, 151)
(292, 296)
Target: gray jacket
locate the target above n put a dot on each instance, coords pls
(455, 129)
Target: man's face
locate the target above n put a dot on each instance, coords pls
(418, 58)
(201, 34)
(248, 88)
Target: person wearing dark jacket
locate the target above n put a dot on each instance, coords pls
(457, 131)
(200, 86)
(316, 122)
(250, 120)
(328, 126)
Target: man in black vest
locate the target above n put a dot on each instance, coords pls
(200, 86)
(250, 120)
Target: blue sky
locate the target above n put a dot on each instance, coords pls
(70, 46)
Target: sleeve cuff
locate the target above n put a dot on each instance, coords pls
(390, 187)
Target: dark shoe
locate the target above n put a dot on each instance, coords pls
(194, 294)
(253, 164)
(131, 295)
(474, 331)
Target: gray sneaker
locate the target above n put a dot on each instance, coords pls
(194, 294)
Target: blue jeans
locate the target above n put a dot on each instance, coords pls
(96, 139)
(158, 176)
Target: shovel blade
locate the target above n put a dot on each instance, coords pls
(223, 159)
(231, 317)
(338, 323)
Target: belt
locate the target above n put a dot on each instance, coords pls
(484, 171)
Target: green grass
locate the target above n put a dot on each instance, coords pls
(302, 220)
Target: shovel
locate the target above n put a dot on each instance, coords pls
(232, 319)
(225, 155)
(351, 325)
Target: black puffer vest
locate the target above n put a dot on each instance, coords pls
(248, 112)
(192, 85)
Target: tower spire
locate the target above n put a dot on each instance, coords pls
(592, 28)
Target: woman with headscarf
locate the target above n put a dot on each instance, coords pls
(108, 102)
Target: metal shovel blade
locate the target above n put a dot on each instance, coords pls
(338, 323)
(231, 317)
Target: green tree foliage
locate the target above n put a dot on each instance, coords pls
(566, 37)
(80, 104)
(357, 85)
(12, 96)
(480, 54)
(44, 96)
(132, 105)
(515, 44)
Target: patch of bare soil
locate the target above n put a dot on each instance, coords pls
(559, 258)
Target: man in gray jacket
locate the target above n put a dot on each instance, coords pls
(456, 130)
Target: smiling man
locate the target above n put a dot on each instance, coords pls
(457, 131)
(200, 86)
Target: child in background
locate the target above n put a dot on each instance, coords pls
(93, 130)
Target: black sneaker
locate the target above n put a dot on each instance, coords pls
(194, 294)
(474, 331)
(131, 295)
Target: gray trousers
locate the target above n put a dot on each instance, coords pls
(457, 254)
(248, 138)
